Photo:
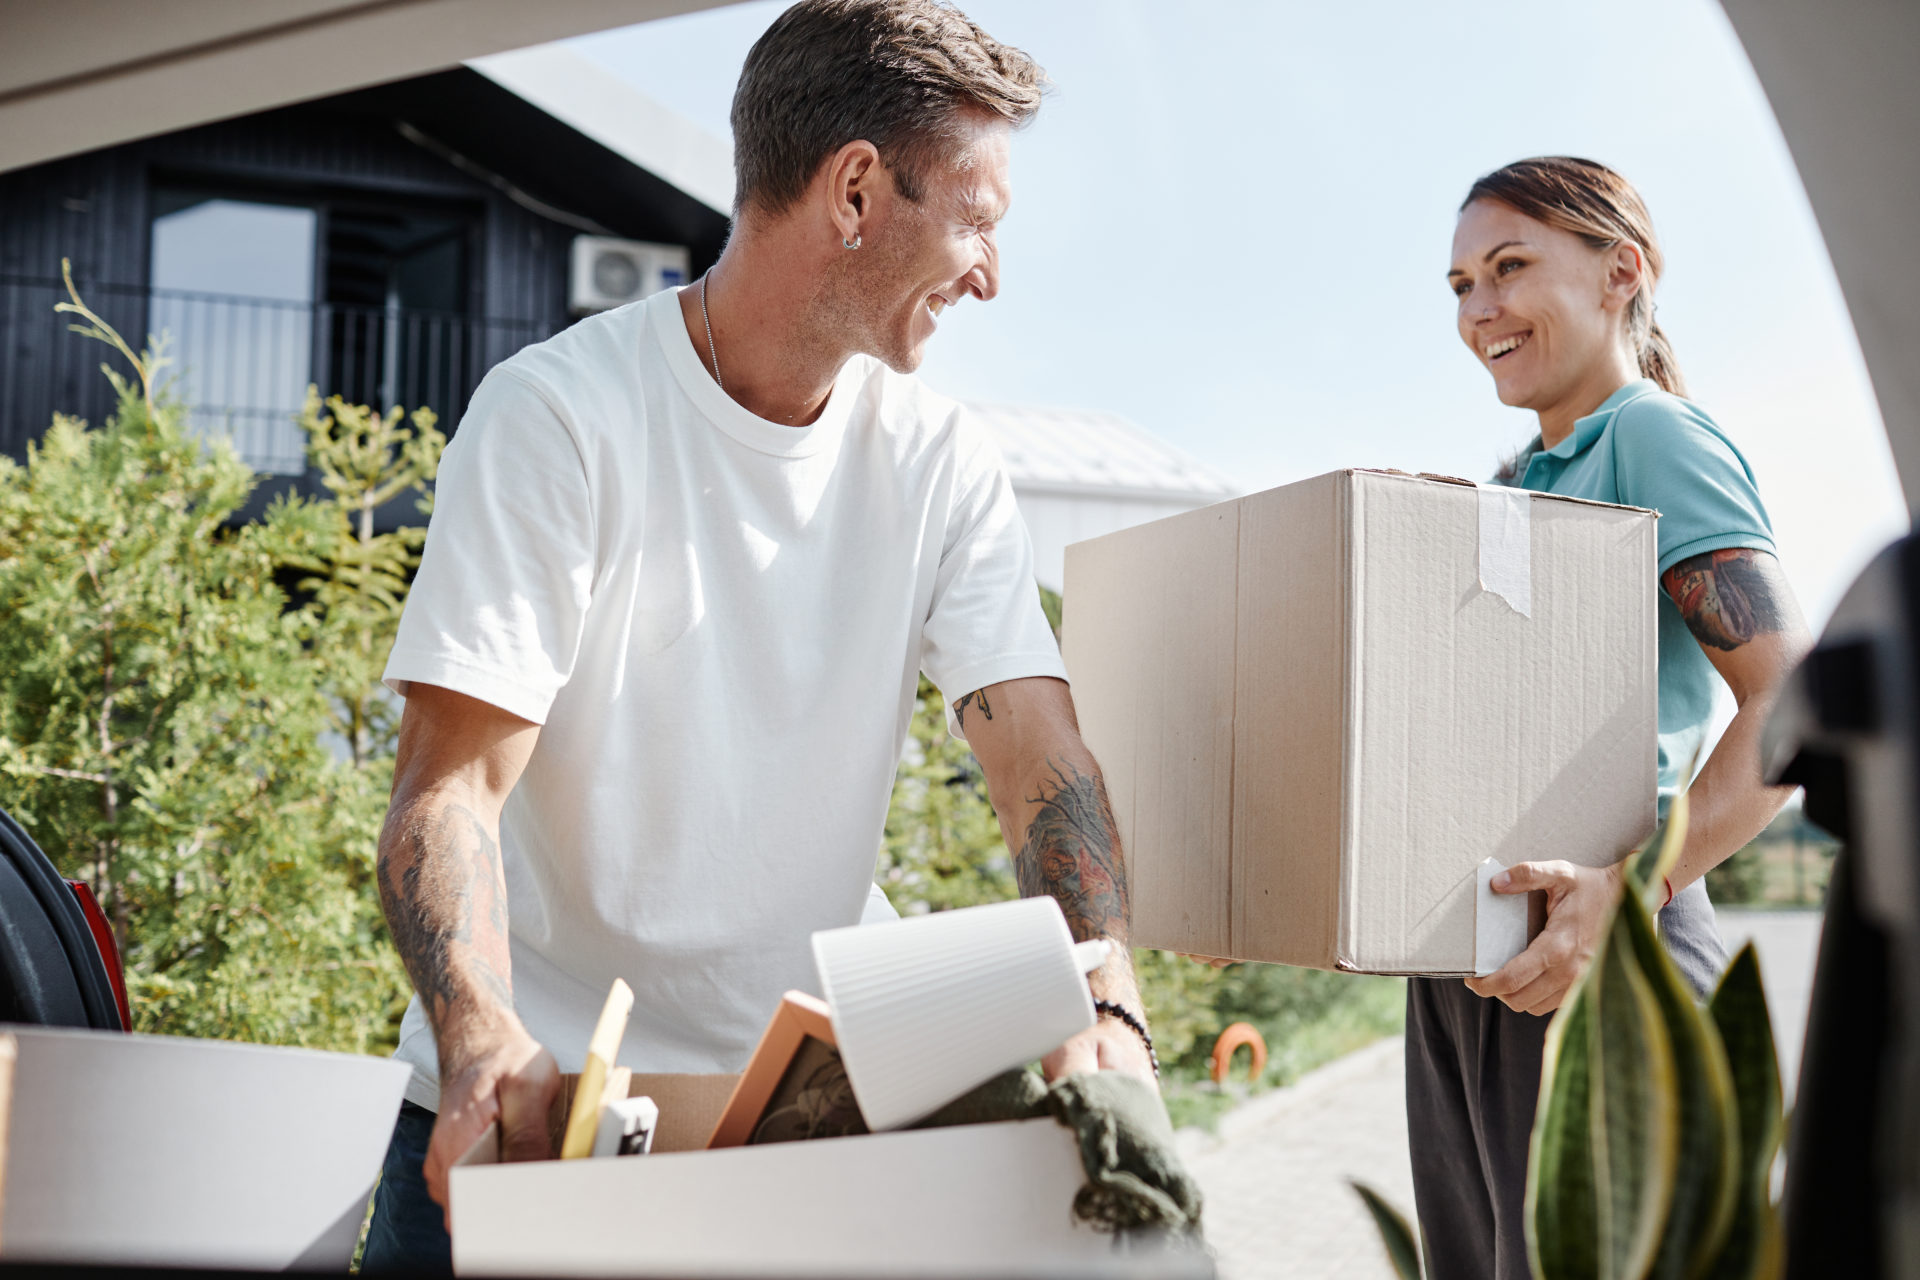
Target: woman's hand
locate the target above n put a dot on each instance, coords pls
(1578, 902)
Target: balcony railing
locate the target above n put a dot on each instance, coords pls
(242, 364)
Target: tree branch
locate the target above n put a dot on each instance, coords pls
(47, 770)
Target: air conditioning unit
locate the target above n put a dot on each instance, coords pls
(610, 273)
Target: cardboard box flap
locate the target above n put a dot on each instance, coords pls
(1539, 495)
(690, 1105)
(1167, 753)
(1293, 571)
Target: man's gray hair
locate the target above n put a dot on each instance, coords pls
(896, 73)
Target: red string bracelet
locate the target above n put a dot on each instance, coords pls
(1669, 901)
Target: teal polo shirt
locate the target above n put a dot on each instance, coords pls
(1648, 448)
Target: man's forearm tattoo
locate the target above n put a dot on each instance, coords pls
(977, 698)
(1072, 852)
(1728, 597)
(445, 901)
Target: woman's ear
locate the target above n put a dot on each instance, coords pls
(1626, 275)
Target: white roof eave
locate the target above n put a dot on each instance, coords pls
(1085, 453)
(587, 97)
(84, 74)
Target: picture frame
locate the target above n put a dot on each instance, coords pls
(794, 1087)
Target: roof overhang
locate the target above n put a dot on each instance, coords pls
(560, 171)
(595, 102)
(84, 74)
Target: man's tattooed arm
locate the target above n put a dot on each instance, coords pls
(1072, 852)
(445, 897)
(1053, 810)
(1729, 597)
(977, 698)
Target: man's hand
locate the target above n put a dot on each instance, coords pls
(1053, 810)
(510, 1079)
(1578, 902)
(1108, 1045)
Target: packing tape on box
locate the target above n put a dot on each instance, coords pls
(1506, 545)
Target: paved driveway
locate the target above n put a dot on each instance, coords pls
(1789, 942)
(1278, 1204)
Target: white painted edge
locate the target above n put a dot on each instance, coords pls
(584, 95)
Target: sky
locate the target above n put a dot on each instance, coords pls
(1231, 225)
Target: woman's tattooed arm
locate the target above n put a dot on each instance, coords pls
(1729, 597)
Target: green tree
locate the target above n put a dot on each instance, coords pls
(161, 728)
(942, 847)
(357, 579)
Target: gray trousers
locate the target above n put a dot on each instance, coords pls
(1473, 1080)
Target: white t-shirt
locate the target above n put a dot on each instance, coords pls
(720, 622)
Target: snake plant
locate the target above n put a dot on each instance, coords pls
(1658, 1121)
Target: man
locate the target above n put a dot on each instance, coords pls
(688, 561)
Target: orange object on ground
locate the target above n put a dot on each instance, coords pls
(1232, 1038)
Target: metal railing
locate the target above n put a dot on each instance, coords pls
(242, 364)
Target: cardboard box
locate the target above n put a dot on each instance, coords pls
(975, 1200)
(1320, 708)
(165, 1151)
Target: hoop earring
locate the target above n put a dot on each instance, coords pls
(850, 244)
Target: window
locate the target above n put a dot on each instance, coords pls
(394, 284)
(233, 288)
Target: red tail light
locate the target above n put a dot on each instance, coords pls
(109, 949)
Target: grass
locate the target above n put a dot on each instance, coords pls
(1786, 866)
(1308, 1018)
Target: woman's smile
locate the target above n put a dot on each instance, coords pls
(1499, 348)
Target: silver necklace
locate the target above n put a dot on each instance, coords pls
(708, 321)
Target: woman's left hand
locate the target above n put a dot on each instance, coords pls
(1579, 900)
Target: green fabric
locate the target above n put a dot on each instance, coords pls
(1135, 1179)
(1016, 1095)
(1647, 448)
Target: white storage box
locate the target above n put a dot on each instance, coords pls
(163, 1151)
(974, 1200)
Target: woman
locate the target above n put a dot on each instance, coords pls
(1554, 264)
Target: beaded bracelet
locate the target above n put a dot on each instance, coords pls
(1138, 1027)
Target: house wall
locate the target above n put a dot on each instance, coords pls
(1056, 518)
(94, 209)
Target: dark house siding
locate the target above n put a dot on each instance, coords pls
(453, 141)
